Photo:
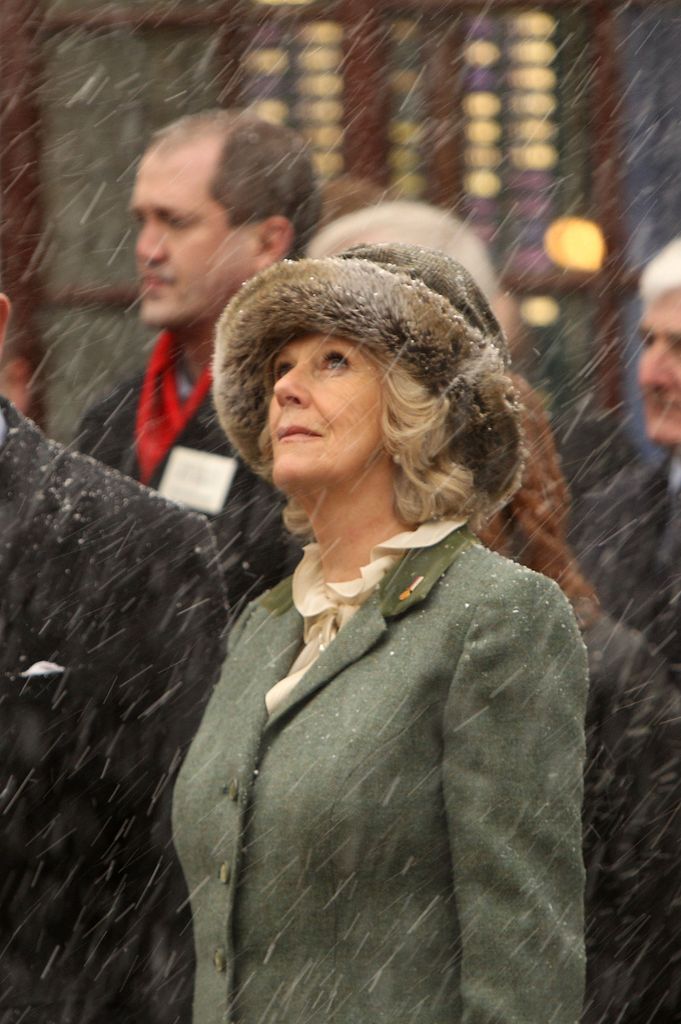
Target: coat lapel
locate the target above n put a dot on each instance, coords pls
(259, 662)
(359, 635)
(406, 586)
(281, 638)
(416, 574)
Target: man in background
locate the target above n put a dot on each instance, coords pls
(219, 196)
(628, 534)
(628, 537)
(112, 618)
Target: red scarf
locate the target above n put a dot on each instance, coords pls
(161, 414)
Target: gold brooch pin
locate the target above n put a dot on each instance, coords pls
(411, 588)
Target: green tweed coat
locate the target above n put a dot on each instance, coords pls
(400, 841)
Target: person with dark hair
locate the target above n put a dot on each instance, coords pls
(631, 850)
(218, 196)
(379, 817)
(112, 619)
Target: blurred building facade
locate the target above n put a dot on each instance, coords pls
(512, 115)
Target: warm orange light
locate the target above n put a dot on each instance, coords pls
(575, 243)
(540, 310)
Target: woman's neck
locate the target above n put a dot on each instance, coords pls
(347, 531)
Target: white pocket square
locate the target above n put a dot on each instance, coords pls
(42, 668)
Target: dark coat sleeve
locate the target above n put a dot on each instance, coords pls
(118, 589)
(631, 831)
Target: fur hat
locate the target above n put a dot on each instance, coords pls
(414, 305)
(418, 223)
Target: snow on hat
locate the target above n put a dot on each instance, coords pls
(414, 305)
(415, 222)
(662, 274)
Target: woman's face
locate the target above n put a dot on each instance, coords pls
(325, 420)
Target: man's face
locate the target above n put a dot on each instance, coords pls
(190, 260)
(659, 369)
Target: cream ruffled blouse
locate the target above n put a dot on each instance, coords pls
(327, 607)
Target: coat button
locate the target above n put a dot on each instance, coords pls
(219, 961)
(224, 873)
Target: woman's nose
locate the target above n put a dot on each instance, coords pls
(291, 388)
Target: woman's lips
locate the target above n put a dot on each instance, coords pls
(296, 433)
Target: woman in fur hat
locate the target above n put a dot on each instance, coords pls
(379, 818)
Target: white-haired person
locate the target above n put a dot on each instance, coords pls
(628, 534)
(628, 537)
(418, 223)
(379, 818)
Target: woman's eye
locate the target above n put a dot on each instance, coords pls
(334, 360)
(281, 369)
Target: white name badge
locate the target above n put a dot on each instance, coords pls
(199, 480)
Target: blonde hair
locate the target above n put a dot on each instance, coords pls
(429, 483)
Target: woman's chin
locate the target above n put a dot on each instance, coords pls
(294, 481)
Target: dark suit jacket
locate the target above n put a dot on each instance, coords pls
(633, 838)
(592, 443)
(255, 552)
(632, 849)
(118, 588)
(617, 534)
(400, 840)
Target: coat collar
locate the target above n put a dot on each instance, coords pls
(407, 585)
(27, 458)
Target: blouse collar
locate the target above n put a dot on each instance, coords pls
(313, 596)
